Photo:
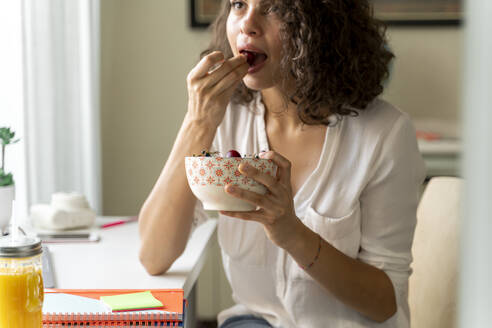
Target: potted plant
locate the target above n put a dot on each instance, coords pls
(7, 187)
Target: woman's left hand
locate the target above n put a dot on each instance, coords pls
(276, 208)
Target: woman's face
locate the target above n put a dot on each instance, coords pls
(254, 31)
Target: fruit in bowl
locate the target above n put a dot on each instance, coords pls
(209, 174)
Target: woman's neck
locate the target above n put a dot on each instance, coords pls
(280, 112)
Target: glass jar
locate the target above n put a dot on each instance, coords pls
(21, 283)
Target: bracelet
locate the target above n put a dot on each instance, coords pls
(316, 257)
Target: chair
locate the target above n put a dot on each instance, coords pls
(433, 284)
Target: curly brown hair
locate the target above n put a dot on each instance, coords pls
(334, 49)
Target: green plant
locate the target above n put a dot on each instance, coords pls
(7, 138)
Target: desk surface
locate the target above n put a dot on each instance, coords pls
(442, 157)
(113, 261)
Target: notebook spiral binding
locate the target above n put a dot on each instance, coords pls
(113, 319)
(113, 324)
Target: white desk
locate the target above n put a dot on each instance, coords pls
(442, 157)
(113, 261)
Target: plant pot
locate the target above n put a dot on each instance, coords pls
(7, 195)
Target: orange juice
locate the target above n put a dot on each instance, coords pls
(21, 284)
(21, 297)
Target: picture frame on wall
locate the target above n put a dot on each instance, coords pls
(203, 12)
(419, 12)
(393, 12)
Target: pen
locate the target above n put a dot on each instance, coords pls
(115, 223)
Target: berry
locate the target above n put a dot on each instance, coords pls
(233, 153)
(250, 57)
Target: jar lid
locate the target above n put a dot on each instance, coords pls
(21, 247)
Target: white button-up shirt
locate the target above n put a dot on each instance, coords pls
(361, 198)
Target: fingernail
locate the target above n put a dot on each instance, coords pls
(231, 189)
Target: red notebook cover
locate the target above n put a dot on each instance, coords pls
(171, 315)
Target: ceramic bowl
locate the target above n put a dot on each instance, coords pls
(207, 177)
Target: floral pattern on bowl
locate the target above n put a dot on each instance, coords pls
(207, 177)
(219, 171)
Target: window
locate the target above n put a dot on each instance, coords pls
(50, 82)
(12, 96)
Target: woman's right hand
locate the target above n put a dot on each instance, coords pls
(209, 91)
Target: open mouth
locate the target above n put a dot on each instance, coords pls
(254, 58)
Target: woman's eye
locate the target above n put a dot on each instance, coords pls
(237, 5)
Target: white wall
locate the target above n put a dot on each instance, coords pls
(426, 77)
(147, 51)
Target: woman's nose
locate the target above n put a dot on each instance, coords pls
(250, 24)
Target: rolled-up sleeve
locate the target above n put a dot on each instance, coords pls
(388, 208)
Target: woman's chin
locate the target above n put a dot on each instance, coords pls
(256, 84)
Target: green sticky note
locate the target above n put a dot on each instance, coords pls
(133, 301)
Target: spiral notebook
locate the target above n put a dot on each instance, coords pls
(82, 307)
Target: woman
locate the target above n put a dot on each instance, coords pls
(329, 245)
